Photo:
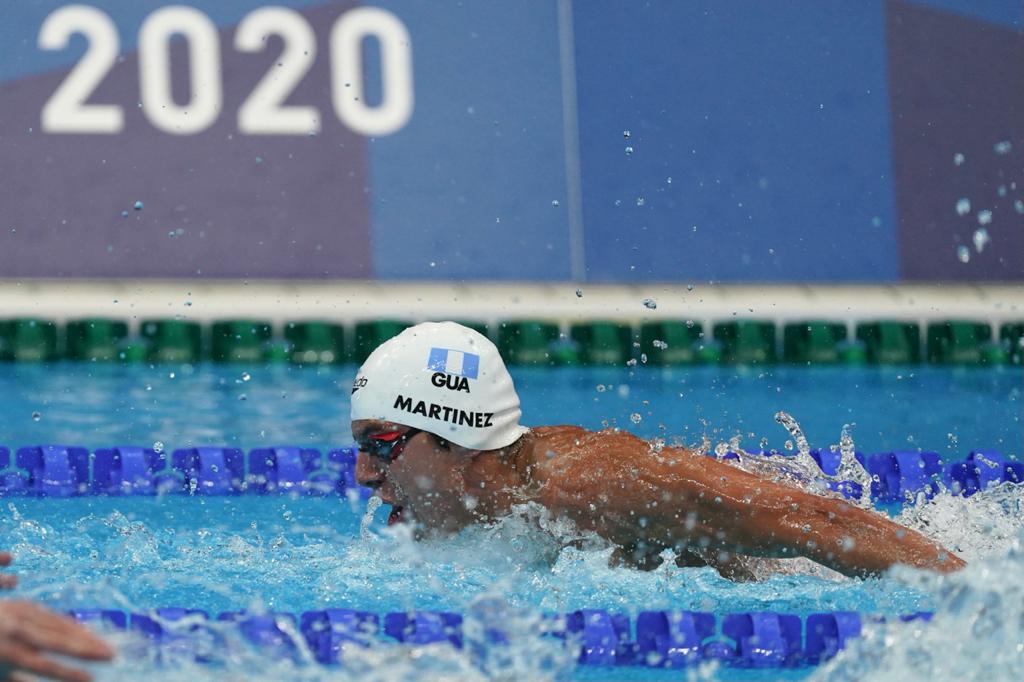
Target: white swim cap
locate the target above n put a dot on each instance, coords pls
(443, 378)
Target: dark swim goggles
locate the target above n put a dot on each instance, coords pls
(387, 446)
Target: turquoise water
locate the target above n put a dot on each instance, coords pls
(297, 554)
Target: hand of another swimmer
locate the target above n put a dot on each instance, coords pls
(7, 581)
(29, 633)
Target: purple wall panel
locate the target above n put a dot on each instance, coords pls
(216, 204)
(956, 88)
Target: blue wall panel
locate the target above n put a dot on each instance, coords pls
(760, 135)
(465, 190)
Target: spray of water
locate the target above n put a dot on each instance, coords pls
(852, 470)
(976, 632)
(372, 505)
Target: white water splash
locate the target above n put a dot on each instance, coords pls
(975, 635)
(372, 505)
(850, 469)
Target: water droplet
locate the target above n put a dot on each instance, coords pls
(640, 201)
(958, 159)
(554, 203)
(1018, 206)
(579, 293)
(629, 150)
(984, 217)
(658, 343)
(36, 416)
(788, 445)
(635, 418)
(124, 214)
(963, 206)
(650, 303)
(158, 447)
(137, 206)
(689, 287)
(1001, 190)
(981, 239)
(246, 376)
(601, 388)
(631, 362)
(242, 396)
(963, 254)
(626, 134)
(1003, 147)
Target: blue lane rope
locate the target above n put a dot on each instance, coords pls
(660, 639)
(68, 471)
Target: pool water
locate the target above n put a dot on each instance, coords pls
(295, 554)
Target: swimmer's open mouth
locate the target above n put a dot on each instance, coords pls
(397, 515)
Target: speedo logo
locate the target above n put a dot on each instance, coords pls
(478, 420)
(359, 383)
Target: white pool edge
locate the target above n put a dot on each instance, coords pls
(350, 301)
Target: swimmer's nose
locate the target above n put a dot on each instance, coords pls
(368, 474)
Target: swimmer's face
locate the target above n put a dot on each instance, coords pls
(422, 479)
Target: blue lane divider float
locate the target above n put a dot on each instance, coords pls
(330, 631)
(981, 469)
(673, 639)
(55, 470)
(67, 471)
(662, 639)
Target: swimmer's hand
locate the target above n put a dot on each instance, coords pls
(29, 633)
(7, 581)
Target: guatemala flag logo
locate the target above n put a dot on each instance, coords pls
(455, 362)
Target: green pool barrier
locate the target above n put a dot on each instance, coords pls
(709, 353)
(133, 350)
(371, 333)
(531, 342)
(813, 342)
(853, 353)
(94, 339)
(277, 351)
(1011, 335)
(746, 342)
(314, 343)
(890, 342)
(240, 340)
(958, 342)
(177, 341)
(28, 340)
(602, 342)
(673, 342)
(5, 341)
(993, 354)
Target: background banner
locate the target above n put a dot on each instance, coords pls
(800, 141)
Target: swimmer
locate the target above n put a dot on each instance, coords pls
(30, 634)
(436, 419)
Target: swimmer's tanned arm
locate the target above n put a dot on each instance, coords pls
(615, 484)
